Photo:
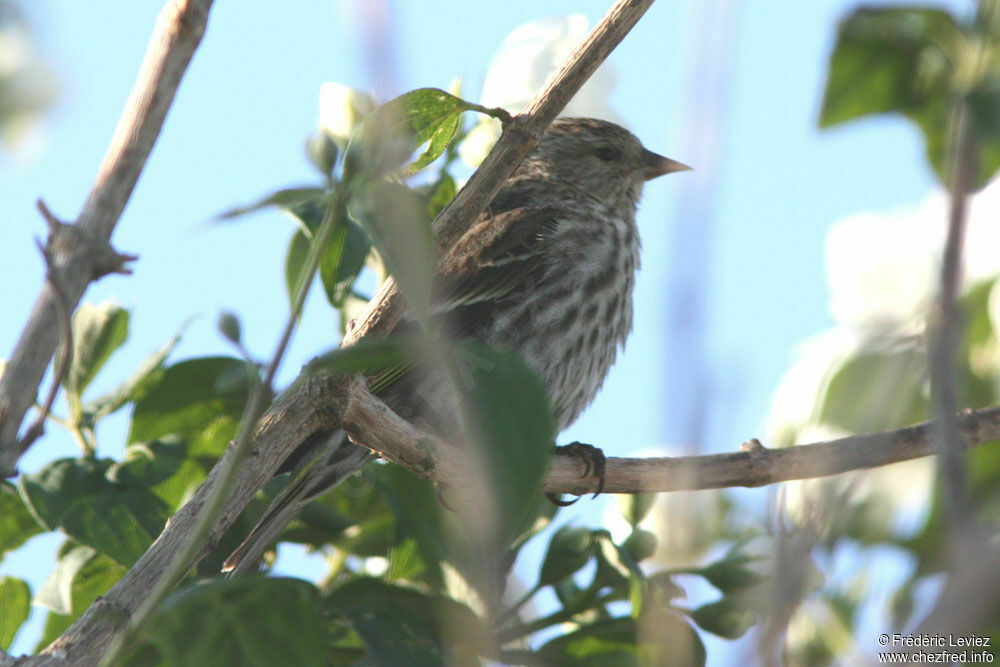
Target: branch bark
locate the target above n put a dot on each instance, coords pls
(312, 403)
(372, 424)
(520, 137)
(178, 32)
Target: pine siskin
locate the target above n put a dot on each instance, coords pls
(553, 281)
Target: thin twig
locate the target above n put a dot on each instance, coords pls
(948, 327)
(178, 31)
(36, 430)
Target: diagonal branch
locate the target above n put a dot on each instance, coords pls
(314, 404)
(520, 137)
(177, 34)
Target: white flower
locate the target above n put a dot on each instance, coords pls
(340, 109)
(521, 67)
(883, 268)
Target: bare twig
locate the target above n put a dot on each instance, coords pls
(178, 31)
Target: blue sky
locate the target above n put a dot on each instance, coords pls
(249, 101)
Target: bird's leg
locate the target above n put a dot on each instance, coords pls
(593, 460)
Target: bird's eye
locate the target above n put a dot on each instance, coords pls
(606, 154)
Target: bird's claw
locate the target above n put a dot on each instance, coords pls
(594, 463)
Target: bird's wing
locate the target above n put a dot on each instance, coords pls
(497, 258)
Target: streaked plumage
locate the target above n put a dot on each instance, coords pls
(547, 271)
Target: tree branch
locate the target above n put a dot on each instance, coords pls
(319, 403)
(177, 34)
(371, 423)
(520, 136)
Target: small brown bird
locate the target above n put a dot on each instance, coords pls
(553, 283)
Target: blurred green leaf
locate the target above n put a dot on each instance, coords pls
(508, 409)
(570, 548)
(636, 506)
(150, 463)
(640, 544)
(98, 330)
(877, 389)
(14, 611)
(732, 572)
(726, 618)
(917, 62)
(322, 152)
(134, 388)
(17, 525)
(118, 520)
(403, 626)
(229, 326)
(80, 576)
(661, 639)
(888, 59)
(289, 199)
(396, 219)
(190, 403)
(246, 621)
(439, 194)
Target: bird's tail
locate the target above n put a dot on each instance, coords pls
(322, 462)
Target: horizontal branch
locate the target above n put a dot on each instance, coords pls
(371, 423)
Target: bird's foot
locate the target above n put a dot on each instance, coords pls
(594, 462)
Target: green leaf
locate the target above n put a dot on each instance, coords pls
(150, 463)
(570, 548)
(194, 403)
(439, 194)
(636, 506)
(403, 626)
(340, 262)
(640, 544)
(118, 520)
(289, 199)
(918, 62)
(17, 525)
(134, 388)
(322, 152)
(876, 389)
(893, 59)
(661, 639)
(396, 219)
(726, 618)
(80, 576)
(389, 135)
(369, 355)
(507, 410)
(16, 596)
(229, 326)
(98, 330)
(343, 260)
(187, 402)
(732, 572)
(247, 621)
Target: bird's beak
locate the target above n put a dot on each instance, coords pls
(654, 165)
